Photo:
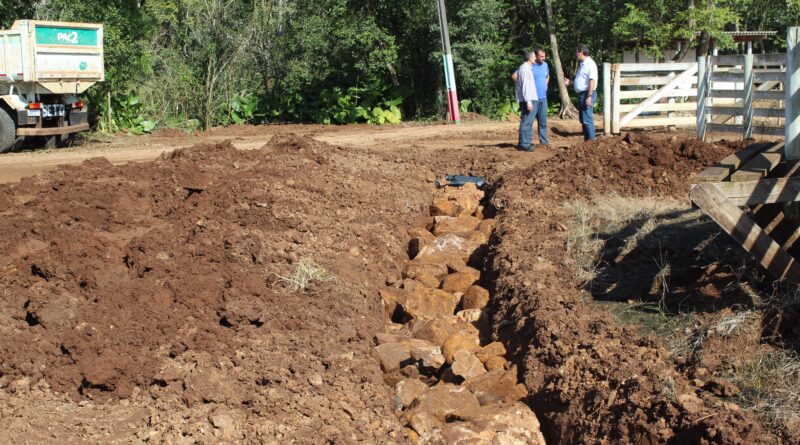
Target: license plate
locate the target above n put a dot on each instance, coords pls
(34, 113)
(54, 110)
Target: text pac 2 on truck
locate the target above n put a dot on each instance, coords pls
(44, 66)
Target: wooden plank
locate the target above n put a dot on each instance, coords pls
(744, 230)
(779, 220)
(731, 59)
(757, 94)
(645, 67)
(763, 191)
(727, 77)
(617, 73)
(769, 95)
(724, 128)
(728, 111)
(702, 95)
(652, 80)
(659, 94)
(773, 76)
(769, 112)
(606, 98)
(641, 94)
(769, 59)
(680, 106)
(768, 130)
(747, 96)
(757, 129)
(792, 129)
(760, 165)
(730, 163)
(642, 122)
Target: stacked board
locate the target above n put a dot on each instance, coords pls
(752, 194)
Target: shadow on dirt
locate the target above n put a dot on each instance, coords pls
(503, 145)
(688, 266)
(685, 264)
(558, 131)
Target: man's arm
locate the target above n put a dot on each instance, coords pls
(589, 92)
(592, 83)
(514, 76)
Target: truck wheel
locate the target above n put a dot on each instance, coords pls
(49, 141)
(8, 132)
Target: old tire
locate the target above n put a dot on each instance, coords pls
(65, 140)
(8, 132)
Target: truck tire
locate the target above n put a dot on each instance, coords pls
(8, 132)
(65, 140)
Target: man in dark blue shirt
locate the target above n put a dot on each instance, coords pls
(541, 77)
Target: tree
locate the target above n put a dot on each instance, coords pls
(568, 110)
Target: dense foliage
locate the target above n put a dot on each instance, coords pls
(199, 63)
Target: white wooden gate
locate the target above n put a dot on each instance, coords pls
(649, 95)
(742, 94)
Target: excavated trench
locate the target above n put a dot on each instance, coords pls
(452, 384)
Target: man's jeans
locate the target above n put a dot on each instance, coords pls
(526, 126)
(540, 109)
(586, 115)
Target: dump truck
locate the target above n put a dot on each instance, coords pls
(44, 67)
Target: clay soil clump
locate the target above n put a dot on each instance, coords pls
(171, 286)
(636, 164)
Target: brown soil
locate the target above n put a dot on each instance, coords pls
(156, 278)
(593, 381)
(144, 302)
(637, 164)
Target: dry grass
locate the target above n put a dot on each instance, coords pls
(306, 271)
(770, 384)
(583, 241)
(768, 377)
(589, 221)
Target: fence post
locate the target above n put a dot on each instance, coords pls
(606, 98)
(702, 93)
(747, 102)
(792, 94)
(617, 76)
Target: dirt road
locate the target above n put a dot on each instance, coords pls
(123, 149)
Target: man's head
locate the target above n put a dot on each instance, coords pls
(582, 51)
(530, 56)
(540, 55)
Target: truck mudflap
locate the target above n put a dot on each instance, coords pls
(52, 131)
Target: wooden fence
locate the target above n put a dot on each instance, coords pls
(742, 94)
(642, 95)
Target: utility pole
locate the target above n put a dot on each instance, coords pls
(447, 61)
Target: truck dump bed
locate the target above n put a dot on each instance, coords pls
(52, 57)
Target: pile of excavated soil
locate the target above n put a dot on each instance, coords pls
(637, 164)
(589, 378)
(165, 284)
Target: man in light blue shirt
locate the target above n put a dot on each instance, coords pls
(526, 96)
(541, 76)
(585, 85)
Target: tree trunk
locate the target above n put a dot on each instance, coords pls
(685, 46)
(568, 110)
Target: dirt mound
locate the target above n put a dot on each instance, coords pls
(168, 280)
(637, 164)
(588, 377)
